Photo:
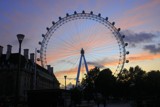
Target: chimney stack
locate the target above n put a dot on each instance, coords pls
(50, 69)
(26, 51)
(9, 50)
(1, 50)
(32, 57)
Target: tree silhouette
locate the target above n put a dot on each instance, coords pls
(105, 82)
(153, 83)
(89, 79)
(75, 96)
(88, 83)
(133, 84)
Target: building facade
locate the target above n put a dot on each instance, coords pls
(22, 70)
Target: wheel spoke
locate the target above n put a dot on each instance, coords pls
(99, 39)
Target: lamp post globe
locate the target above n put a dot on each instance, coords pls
(20, 37)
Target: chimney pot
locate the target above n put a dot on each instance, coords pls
(32, 57)
(50, 69)
(9, 50)
(1, 50)
(26, 51)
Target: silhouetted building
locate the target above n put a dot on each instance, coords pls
(9, 64)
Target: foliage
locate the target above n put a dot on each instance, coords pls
(134, 83)
(76, 95)
(105, 82)
(89, 83)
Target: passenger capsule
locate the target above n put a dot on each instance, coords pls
(106, 18)
(127, 61)
(60, 18)
(67, 14)
(38, 51)
(99, 15)
(83, 12)
(127, 52)
(75, 12)
(40, 43)
(126, 44)
(47, 29)
(43, 35)
(113, 23)
(119, 29)
(53, 23)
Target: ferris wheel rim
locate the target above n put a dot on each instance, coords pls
(77, 16)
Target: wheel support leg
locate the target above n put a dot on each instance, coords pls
(79, 68)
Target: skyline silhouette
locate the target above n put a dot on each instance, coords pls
(137, 20)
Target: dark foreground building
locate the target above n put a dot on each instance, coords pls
(49, 98)
(30, 76)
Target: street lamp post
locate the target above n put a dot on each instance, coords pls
(65, 80)
(20, 39)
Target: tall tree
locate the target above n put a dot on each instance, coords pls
(153, 83)
(88, 83)
(105, 82)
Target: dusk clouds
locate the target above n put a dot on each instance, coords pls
(97, 64)
(148, 41)
(152, 48)
(138, 38)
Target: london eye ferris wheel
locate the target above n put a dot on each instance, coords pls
(81, 41)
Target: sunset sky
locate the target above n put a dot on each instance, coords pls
(138, 20)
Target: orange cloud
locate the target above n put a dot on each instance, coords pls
(72, 71)
(143, 56)
(71, 74)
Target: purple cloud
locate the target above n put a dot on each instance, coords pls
(152, 48)
(96, 64)
(137, 38)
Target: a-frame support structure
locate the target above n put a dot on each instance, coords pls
(79, 67)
